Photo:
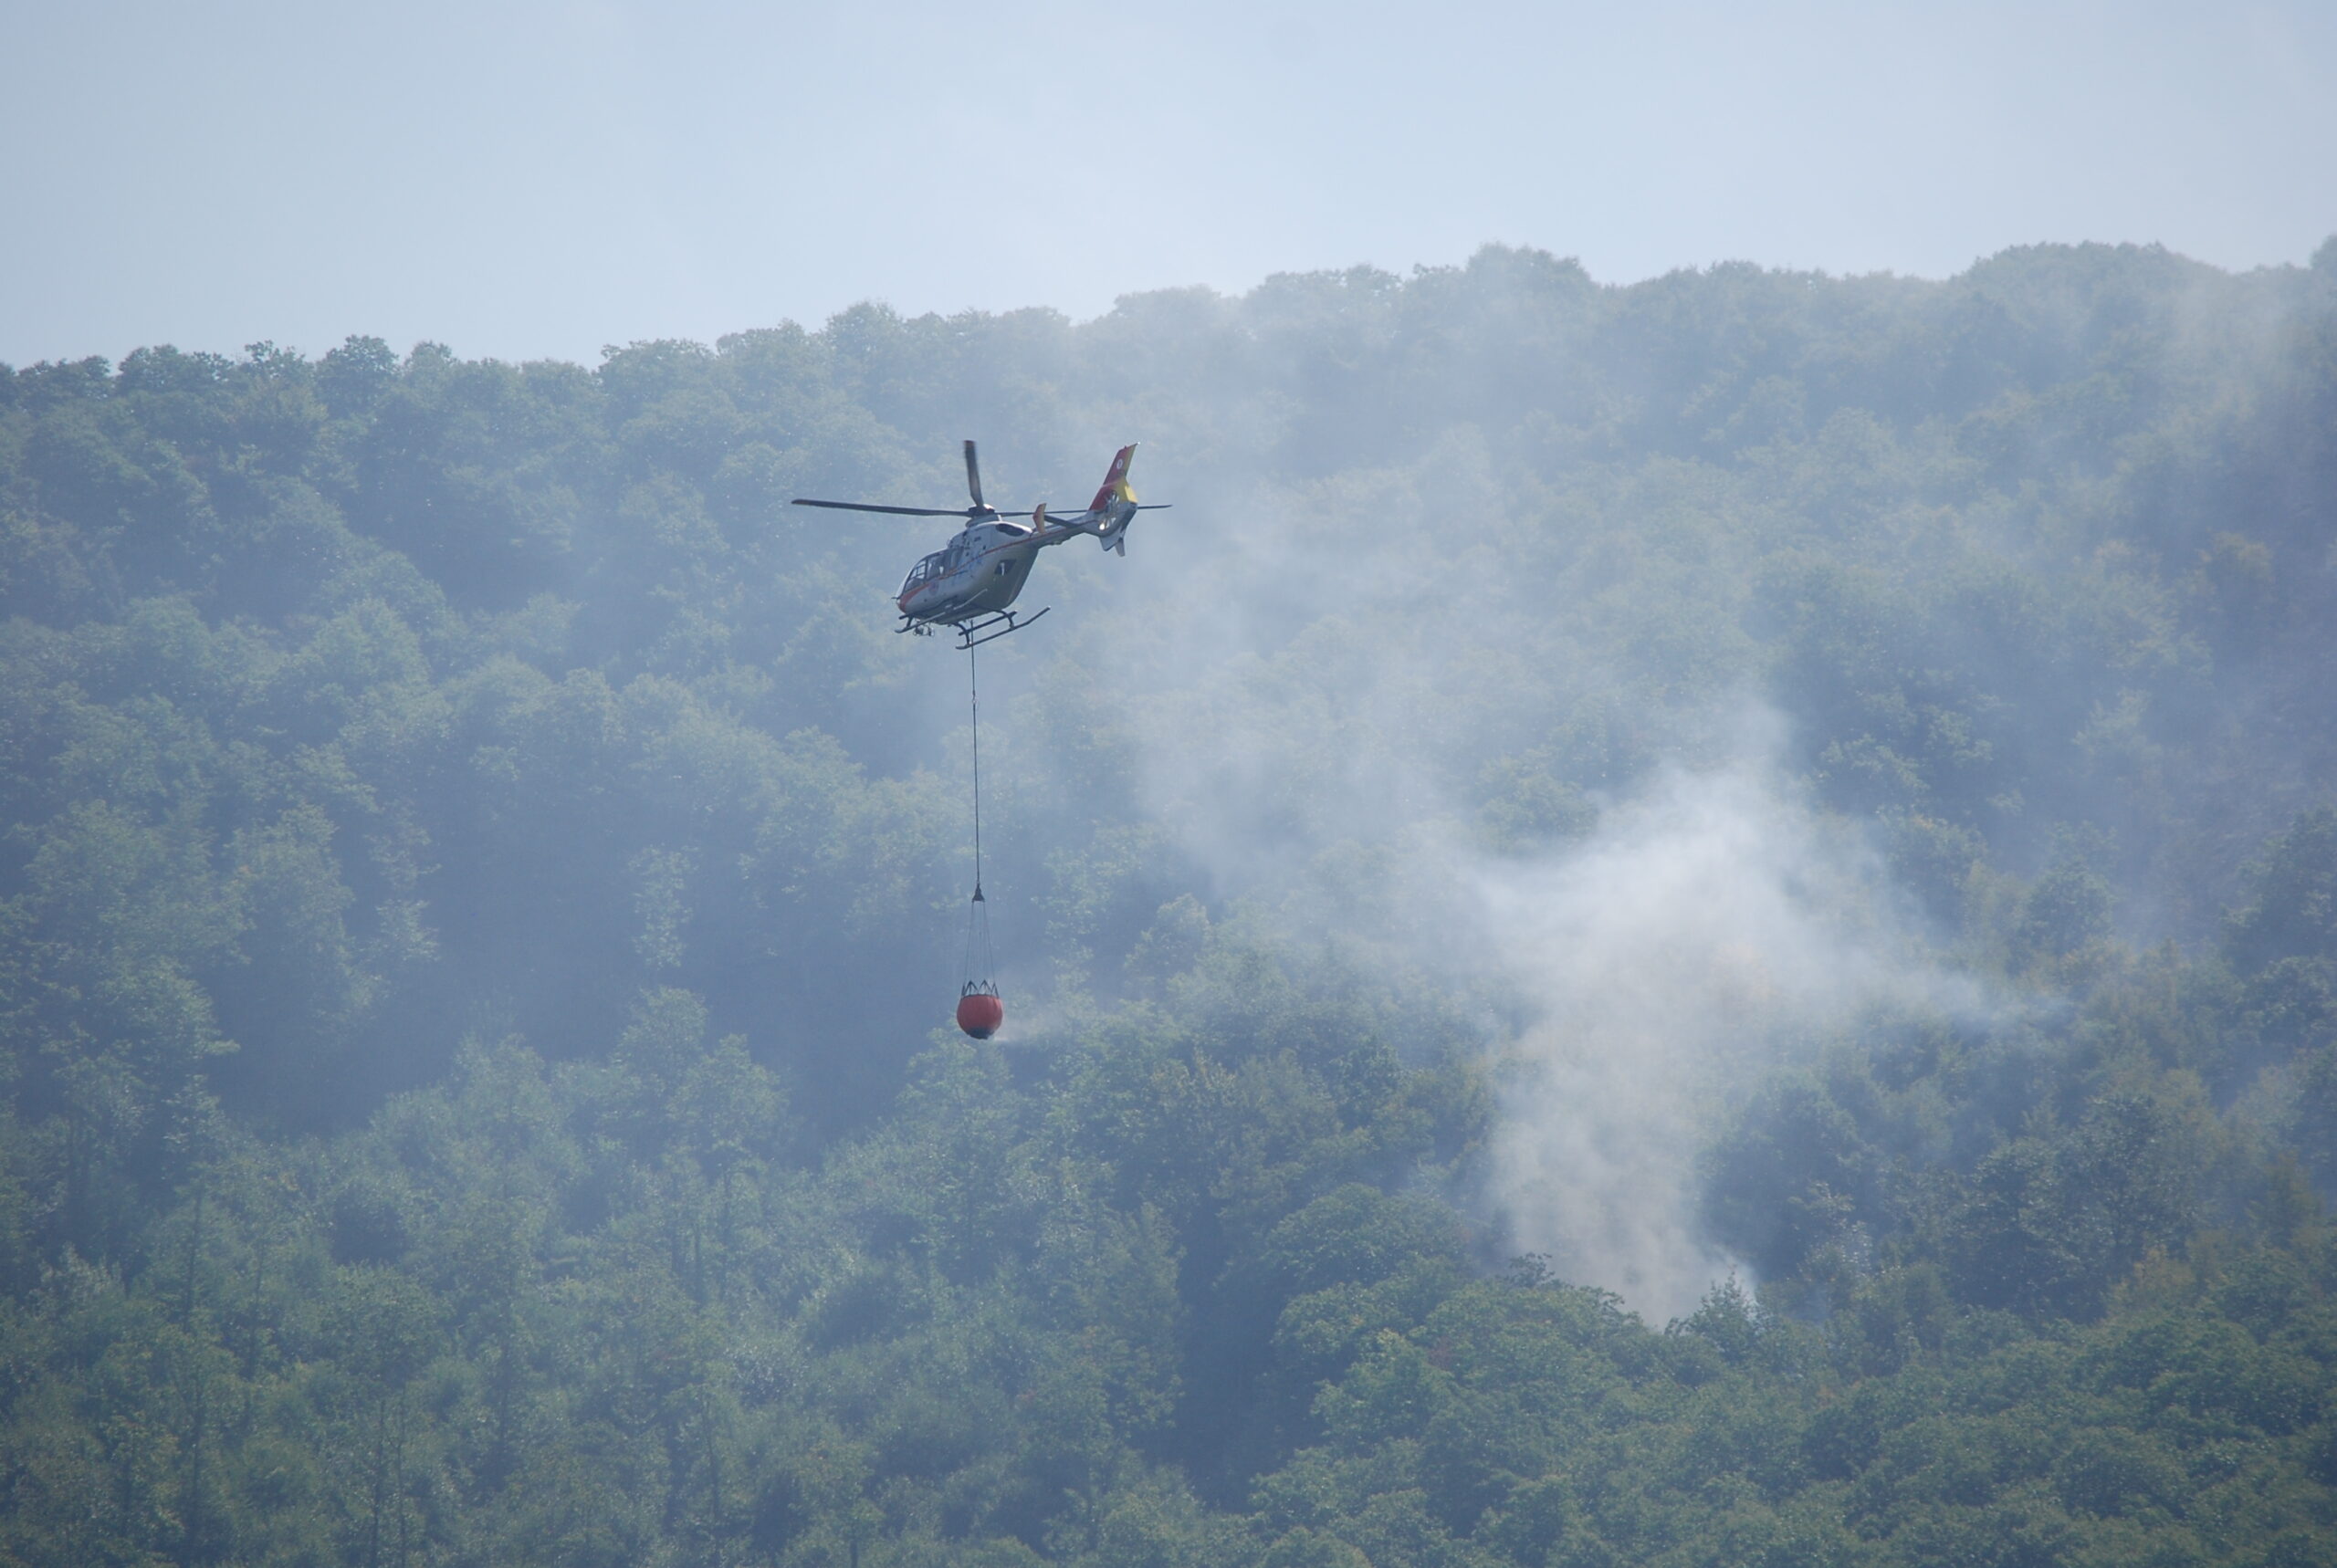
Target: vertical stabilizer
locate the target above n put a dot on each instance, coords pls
(1115, 482)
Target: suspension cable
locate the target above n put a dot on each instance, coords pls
(979, 957)
(974, 699)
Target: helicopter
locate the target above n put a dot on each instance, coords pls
(970, 585)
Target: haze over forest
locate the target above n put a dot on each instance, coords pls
(1682, 922)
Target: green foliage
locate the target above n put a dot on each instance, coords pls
(477, 877)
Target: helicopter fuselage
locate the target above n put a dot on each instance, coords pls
(980, 572)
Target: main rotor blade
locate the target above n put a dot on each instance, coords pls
(892, 511)
(973, 473)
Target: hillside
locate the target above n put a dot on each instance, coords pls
(1671, 923)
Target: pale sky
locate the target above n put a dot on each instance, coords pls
(529, 178)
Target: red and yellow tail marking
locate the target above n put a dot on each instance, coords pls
(1115, 482)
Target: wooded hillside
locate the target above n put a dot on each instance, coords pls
(481, 883)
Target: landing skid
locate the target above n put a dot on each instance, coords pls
(974, 634)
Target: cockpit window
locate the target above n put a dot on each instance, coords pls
(931, 567)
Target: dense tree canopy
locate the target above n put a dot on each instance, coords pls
(480, 880)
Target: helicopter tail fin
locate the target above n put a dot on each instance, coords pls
(1114, 506)
(1115, 481)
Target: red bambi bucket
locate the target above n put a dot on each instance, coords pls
(980, 1013)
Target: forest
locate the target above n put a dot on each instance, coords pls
(1692, 922)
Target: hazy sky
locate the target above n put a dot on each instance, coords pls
(540, 177)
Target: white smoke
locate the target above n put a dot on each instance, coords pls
(1307, 755)
(1711, 926)
(1705, 929)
